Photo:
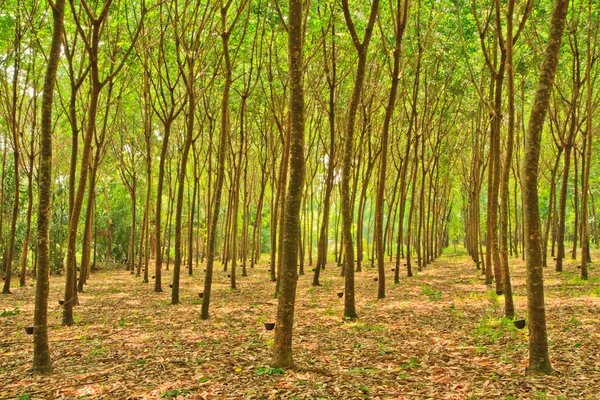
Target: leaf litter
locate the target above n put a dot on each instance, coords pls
(438, 335)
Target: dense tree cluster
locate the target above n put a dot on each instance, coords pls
(170, 135)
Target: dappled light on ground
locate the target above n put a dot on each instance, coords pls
(437, 335)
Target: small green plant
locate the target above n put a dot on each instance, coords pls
(98, 351)
(24, 397)
(493, 297)
(490, 329)
(363, 371)
(269, 371)
(170, 394)
(412, 364)
(384, 350)
(329, 312)
(431, 293)
(261, 318)
(540, 395)
(364, 388)
(11, 313)
(122, 322)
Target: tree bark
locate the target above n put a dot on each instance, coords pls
(282, 355)
(539, 361)
(348, 154)
(400, 23)
(41, 352)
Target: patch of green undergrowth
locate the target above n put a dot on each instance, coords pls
(171, 394)
(431, 293)
(362, 371)
(493, 298)
(329, 312)
(364, 388)
(490, 329)
(411, 364)
(359, 326)
(269, 371)
(11, 313)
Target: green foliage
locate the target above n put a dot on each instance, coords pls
(362, 371)
(364, 388)
(10, 313)
(490, 329)
(431, 293)
(493, 298)
(269, 371)
(171, 394)
(412, 364)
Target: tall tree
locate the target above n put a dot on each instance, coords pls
(282, 356)
(96, 25)
(399, 23)
(539, 361)
(41, 351)
(587, 154)
(226, 30)
(347, 206)
(189, 51)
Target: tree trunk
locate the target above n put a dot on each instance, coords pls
(25, 249)
(348, 154)
(282, 355)
(400, 17)
(539, 362)
(41, 352)
(509, 310)
(223, 140)
(587, 156)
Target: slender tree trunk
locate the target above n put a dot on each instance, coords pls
(587, 156)
(25, 249)
(223, 140)
(400, 17)
(323, 233)
(180, 190)
(195, 189)
(41, 352)
(560, 239)
(539, 361)
(282, 355)
(509, 310)
(13, 222)
(87, 231)
(575, 205)
(348, 154)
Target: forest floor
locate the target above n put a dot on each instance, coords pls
(438, 335)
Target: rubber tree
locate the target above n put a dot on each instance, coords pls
(539, 361)
(282, 355)
(41, 350)
(348, 151)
